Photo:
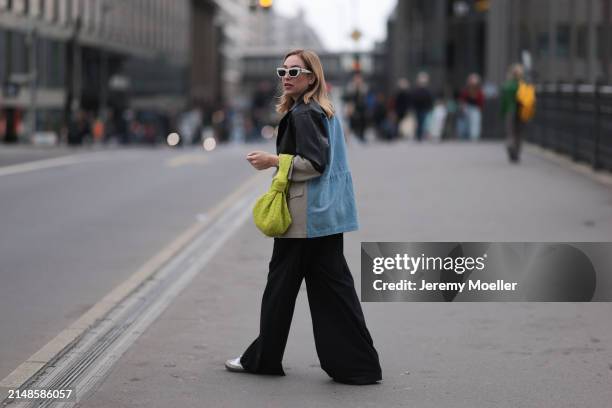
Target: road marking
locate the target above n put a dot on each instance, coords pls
(230, 211)
(55, 162)
(187, 159)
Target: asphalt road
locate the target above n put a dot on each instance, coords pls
(72, 232)
(16, 154)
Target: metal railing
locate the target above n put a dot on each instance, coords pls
(576, 120)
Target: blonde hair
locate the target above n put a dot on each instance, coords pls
(423, 79)
(515, 71)
(316, 91)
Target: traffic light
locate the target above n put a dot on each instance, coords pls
(260, 4)
(482, 5)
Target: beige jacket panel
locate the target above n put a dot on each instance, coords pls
(301, 171)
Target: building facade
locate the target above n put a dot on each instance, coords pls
(562, 40)
(567, 40)
(110, 55)
(441, 37)
(90, 55)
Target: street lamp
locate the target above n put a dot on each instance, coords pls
(105, 8)
(73, 72)
(356, 36)
(17, 80)
(32, 76)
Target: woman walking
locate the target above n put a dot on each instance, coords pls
(322, 206)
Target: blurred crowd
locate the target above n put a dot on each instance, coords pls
(420, 114)
(411, 111)
(145, 127)
(415, 112)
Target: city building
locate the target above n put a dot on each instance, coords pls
(443, 37)
(560, 40)
(271, 36)
(91, 55)
(107, 56)
(566, 40)
(271, 31)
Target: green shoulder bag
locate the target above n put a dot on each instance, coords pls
(271, 212)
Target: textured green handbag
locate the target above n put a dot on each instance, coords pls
(271, 212)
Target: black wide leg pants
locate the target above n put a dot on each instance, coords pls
(344, 345)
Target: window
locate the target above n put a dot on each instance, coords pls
(2, 52)
(20, 6)
(543, 44)
(19, 54)
(603, 35)
(57, 70)
(76, 11)
(524, 36)
(36, 8)
(51, 61)
(582, 41)
(42, 48)
(64, 11)
(563, 40)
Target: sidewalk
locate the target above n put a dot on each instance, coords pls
(432, 355)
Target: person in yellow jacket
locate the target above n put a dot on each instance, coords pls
(509, 110)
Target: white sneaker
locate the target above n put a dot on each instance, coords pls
(234, 364)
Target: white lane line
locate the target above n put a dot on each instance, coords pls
(58, 162)
(187, 159)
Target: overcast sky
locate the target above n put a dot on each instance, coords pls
(334, 20)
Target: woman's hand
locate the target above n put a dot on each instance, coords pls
(262, 160)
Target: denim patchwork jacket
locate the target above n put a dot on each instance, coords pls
(321, 199)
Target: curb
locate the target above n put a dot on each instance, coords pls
(567, 162)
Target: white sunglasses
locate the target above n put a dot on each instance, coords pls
(293, 71)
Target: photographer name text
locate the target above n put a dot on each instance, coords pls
(478, 285)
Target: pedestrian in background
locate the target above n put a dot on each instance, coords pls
(438, 116)
(512, 123)
(472, 103)
(402, 102)
(422, 101)
(355, 99)
(80, 129)
(98, 130)
(322, 207)
(261, 104)
(383, 120)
